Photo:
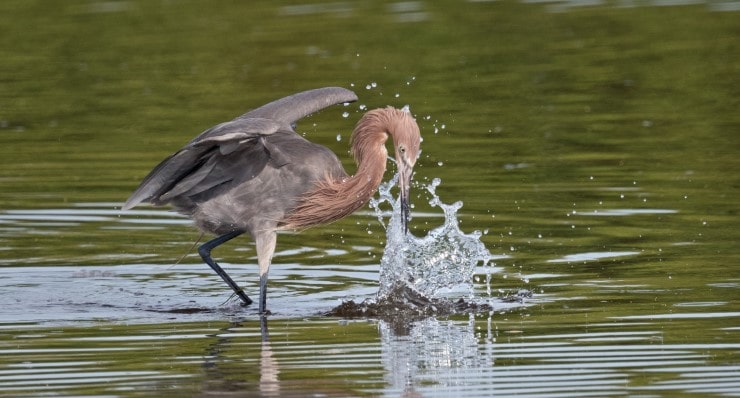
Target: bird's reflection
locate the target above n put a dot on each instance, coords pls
(416, 356)
(269, 369)
(429, 351)
(225, 374)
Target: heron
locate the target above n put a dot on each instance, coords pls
(255, 174)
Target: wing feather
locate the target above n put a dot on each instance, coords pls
(197, 160)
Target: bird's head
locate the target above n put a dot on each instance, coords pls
(406, 142)
(369, 139)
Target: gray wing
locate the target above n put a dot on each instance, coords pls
(204, 164)
(290, 109)
(232, 150)
(297, 106)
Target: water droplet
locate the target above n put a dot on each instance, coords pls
(440, 163)
(339, 137)
(345, 114)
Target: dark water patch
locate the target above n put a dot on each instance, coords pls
(187, 310)
(516, 296)
(405, 303)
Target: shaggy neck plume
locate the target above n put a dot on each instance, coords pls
(335, 199)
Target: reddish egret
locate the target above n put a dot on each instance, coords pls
(255, 174)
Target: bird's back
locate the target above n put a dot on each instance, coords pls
(261, 197)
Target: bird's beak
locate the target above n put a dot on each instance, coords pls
(404, 184)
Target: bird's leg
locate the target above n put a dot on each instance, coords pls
(265, 249)
(205, 252)
(263, 294)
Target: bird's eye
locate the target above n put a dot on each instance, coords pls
(401, 149)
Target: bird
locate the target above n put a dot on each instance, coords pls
(256, 175)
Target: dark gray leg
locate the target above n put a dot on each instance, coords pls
(205, 253)
(263, 294)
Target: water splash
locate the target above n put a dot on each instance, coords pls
(421, 276)
(436, 265)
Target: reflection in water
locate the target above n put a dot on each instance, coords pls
(591, 256)
(444, 358)
(428, 352)
(502, 355)
(229, 367)
(269, 370)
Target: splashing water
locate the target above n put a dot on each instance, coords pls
(442, 262)
(418, 275)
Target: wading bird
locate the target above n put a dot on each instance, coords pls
(255, 174)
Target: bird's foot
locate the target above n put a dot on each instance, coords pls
(245, 299)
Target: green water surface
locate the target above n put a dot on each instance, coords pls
(596, 146)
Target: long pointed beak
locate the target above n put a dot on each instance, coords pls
(404, 185)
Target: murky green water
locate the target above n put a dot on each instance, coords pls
(595, 146)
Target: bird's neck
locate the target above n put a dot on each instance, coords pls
(368, 149)
(355, 191)
(337, 198)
